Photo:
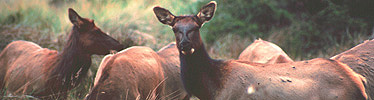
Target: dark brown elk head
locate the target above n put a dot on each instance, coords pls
(90, 37)
(186, 28)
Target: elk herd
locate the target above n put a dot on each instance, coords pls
(181, 69)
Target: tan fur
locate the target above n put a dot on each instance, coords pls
(21, 52)
(262, 51)
(130, 74)
(306, 80)
(361, 59)
(100, 69)
(19, 79)
(138, 71)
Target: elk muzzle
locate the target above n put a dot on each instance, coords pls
(186, 48)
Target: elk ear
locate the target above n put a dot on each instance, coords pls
(206, 12)
(75, 18)
(164, 16)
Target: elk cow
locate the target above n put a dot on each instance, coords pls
(361, 59)
(26, 68)
(265, 52)
(210, 79)
(139, 73)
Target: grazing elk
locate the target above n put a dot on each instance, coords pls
(139, 73)
(26, 68)
(265, 52)
(210, 79)
(361, 59)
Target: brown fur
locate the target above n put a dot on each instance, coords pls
(170, 63)
(361, 60)
(266, 52)
(26, 68)
(136, 72)
(210, 79)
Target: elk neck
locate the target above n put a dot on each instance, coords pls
(72, 63)
(202, 76)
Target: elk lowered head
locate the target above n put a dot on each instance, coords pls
(92, 39)
(186, 28)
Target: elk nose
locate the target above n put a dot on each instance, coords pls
(184, 45)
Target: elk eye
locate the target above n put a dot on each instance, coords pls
(179, 36)
(177, 31)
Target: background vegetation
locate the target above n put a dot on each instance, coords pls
(305, 29)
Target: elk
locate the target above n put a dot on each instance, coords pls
(211, 79)
(173, 83)
(139, 73)
(266, 52)
(26, 68)
(361, 59)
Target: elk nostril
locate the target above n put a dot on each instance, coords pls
(185, 45)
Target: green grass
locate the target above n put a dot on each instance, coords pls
(303, 35)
